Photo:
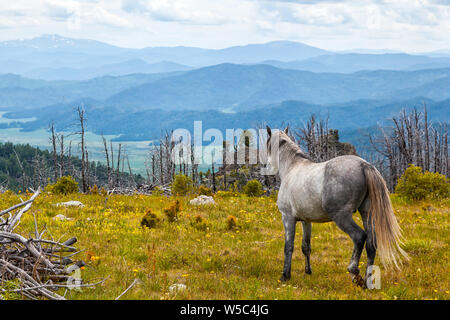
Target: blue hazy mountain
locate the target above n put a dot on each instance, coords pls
(52, 57)
(20, 92)
(241, 87)
(136, 93)
(227, 87)
(117, 69)
(56, 43)
(352, 62)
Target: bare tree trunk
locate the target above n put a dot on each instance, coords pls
(118, 164)
(55, 162)
(61, 155)
(87, 170)
(82, 119)
(153, 169)
(427, 139)
(131, 172)
(108, 167)
(161, 164)
(213, 176)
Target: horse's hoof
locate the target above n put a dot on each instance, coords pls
(308, 270)
(358, 280)
(284, 278)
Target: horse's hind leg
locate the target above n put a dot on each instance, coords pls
(371, 237)
(345, 222)
(306, 245)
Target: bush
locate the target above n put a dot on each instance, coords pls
(94, 190)
(150, 220)
(231, 222)
(415, 185)
(181, 185)
(204, 190)
(103, 192)
(157, 191)
(172, 211)
(199, 223)
(253, 188)
(226, 194)
(65, 185)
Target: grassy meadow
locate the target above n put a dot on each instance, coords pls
(244, 262)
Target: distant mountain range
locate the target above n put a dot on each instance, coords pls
(136, 93)
(19, 92)
(350, 117)
(115, 69)
(52, 57)
(352, 62)
(229, 87)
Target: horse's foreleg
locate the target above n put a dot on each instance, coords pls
(306, 245)
(345, 222)
(289, 232)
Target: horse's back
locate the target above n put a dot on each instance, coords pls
(345, 184)
(315, 191)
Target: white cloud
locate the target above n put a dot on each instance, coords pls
(62, 10)
(296, 13)
(184, 11)
(411, 25)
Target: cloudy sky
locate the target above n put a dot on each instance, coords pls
(407, 25)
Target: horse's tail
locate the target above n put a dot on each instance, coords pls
(387, 230)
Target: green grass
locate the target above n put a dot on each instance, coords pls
(242, 263)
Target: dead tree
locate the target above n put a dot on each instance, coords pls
(412, 140)
(118, 166)
(82, 119)
(108, 167)
(61, 155)
(320, 142)
(53, 142)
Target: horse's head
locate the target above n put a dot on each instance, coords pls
(274, 140)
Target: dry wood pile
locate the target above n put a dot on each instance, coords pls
(145, 189)
(40, 266)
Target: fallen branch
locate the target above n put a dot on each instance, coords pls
(127, 289)
(40, 266)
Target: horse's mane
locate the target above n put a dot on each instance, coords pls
(289, 150)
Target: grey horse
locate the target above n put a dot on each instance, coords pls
(333, 191)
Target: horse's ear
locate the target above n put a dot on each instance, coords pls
(286, 130)
(269, 131)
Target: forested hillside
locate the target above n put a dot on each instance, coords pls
(23, 166)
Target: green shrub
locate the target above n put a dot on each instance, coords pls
(94, 190)
(157, 191)
(415, 185)
(172, 211)
(204, 190)
(150, 220)
(199, 223)
(182, 185)
(253, 188)
(65, 185)
(103, 192)
(231, 222)
(226, 194)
